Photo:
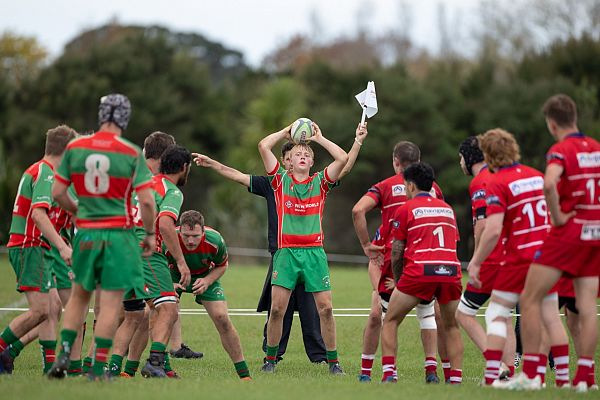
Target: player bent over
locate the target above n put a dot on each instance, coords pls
(300, 257)
(206, 255)
(472, 163)
(516, 210)
(571, 249)
(425, 267)
(104, 169)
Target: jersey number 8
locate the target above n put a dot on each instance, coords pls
(96, 179)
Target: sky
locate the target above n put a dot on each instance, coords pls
(253, 27)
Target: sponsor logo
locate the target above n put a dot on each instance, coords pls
(478, 195)
(526, 185)
(588, 160)
(288, 204)
(218, 291)
(395, 224)
(428, 212)
(49, 178)
(440, 270)
(399, 190)
(275, 274)
(326, 281)
(492, 200)
(590, 232)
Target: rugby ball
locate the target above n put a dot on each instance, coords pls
(301, 130)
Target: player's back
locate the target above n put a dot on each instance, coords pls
(431, 237)
(102, 168)
(579, 186)
(517, 190)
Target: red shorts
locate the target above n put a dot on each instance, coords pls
(444, 292)
(564, 287)
(511, 279)
(574, 259)
(487, 276)
(386, 272)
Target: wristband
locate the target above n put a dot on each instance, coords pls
(359, 143)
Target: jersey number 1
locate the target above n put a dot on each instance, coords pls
(96, 179)
(439, 232)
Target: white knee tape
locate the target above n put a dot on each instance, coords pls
(496, 328)
(426, 316)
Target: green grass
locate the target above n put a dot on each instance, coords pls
(296, 378)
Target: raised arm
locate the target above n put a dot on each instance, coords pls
(230, 173)
(265, 147)
(361, 135)
(340, 158)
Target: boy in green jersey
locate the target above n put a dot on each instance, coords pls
(32, 232)
(104, 169)
(300, 199)
(206, 254)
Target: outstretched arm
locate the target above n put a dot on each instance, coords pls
(340, 158)
(265, 147)
(230, 173)
(361, 135)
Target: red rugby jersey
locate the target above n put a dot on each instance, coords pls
(517, 191)
(428, 226)
(579, 186)
(477, 191)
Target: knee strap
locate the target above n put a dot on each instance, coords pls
(494, 311)
(426, 316)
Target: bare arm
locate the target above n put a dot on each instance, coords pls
(201, 284)
(478, 230)
(147, 208)
(230, 173)
(398, 258)
(265, 147)
(359, 211)
(42, 221)
(166, 224)
(551, 178)
(361, 135)
(339, 155)
(489, 238)
(60, 195)
(374, 270)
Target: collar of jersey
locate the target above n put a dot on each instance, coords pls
(574, 135)
(515, 164)
(48, 164)
(423, 194)
(297, 182)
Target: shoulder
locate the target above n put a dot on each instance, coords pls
(213, 236)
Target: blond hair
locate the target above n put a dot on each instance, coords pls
(303, 146)
(499, 148)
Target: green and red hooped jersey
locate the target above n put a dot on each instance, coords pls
(299, 207)
(210, 253)
(104, 169)
(168, 203)
(35, 191)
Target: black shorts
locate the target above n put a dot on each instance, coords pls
(568, 303)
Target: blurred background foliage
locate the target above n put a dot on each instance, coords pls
(214, 103)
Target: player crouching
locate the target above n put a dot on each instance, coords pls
(424, 253)
(205, 253)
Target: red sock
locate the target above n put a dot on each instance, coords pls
(530, 364)
(541, 369)
(446, 367)
(561, 363)
(511, 371)
(3, 345)
(492, 365)
(389, 365)
(455, 376)
(592, 375)
(585, 367)
(366, 364)
(430, 365)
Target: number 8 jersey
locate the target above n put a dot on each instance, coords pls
(518, 192)
(104, 169)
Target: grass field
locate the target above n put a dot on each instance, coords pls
(296, 378)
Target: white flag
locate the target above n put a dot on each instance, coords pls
(368, 101)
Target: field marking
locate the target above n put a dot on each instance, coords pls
(13, 306)
(249, 312)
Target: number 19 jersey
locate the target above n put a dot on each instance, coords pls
(104, 169)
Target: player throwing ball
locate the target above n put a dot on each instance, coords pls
(300, 257)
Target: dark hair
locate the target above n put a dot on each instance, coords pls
(421, 174)
(57, 140)
(156, 143)
(191, 218)
(471, 152)
(287, 146)
(407, 153)
(174, 159)
(562, 110)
